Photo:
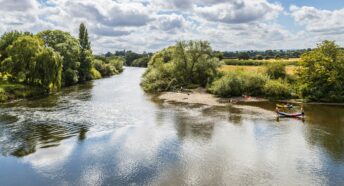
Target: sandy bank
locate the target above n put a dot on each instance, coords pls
(200, 96)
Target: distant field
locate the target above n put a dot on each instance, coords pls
(251, 62)
(291, 69)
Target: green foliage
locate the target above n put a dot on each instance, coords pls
(277, 89)
(276, 70)
(85, 44)
(86, 57)
(141, 62)
(118, 63)
(321, 73)
(251, 62)
(238, 83)
(160, 78)
(186, 63)
(48, 70)
(6, 40)
(34, 64)
(86, 65)
(95, 74)
(68, 47)
(22, 61)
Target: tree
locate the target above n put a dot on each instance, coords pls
(276, 70)
(243, 56)
(22, 58)
(48, 71)
(185, 64)
(321, 75)
(32, 63)
(68, 47)
(86, 57)
(6, 40)
(194, 61)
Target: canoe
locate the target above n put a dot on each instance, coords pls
(284, 106)
(290, 114)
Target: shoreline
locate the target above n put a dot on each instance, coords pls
(200, 96)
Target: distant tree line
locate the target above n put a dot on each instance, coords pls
(132, 58)
(263, 55)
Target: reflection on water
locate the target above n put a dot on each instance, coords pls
(109, 132)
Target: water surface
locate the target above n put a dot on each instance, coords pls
(109, 132)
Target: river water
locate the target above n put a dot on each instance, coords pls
(109, 132)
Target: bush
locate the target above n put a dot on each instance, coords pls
(160, 79)
(276, 70)
(238, 83)
(95, 74)
(277, 89)
(141, 62)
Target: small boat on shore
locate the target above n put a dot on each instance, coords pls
(290, 115)
(289, 106)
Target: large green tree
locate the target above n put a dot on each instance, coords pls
(187, 63)
(31, 63)
(7, 39)
(321, 73)
(86, 57)
(69, 49)
(194, 62)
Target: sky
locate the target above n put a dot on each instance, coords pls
(151, 25)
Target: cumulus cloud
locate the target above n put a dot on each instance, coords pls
(150, 25)
(319, 21)
(239, 11)
(17, 5)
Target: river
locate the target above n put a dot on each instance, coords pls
(109, 132)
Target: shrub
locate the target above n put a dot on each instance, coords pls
(277, 89)
(276, 70)
(95, 74)
(238, 83)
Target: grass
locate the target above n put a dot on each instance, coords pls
(10, 91)
(291, 69)
(251, 62)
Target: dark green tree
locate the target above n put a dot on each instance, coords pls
(86, 57)
(69, 49)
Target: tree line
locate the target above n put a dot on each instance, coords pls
(51, 59)
(264, 55)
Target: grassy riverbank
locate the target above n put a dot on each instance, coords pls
(315, 77)
(11, 91)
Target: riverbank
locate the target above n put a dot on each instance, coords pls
(201, 96)
(13, 91)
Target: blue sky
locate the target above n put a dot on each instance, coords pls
(150, 25)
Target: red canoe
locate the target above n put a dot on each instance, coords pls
(290, 114)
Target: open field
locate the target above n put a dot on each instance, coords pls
(251, 62)
(291, 69)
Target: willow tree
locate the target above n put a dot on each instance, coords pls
(69, 49)
(7, 39)
(31, 63)
(48, 69)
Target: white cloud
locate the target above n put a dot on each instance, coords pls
(240, 11)
(319, 21)
(150, 25)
